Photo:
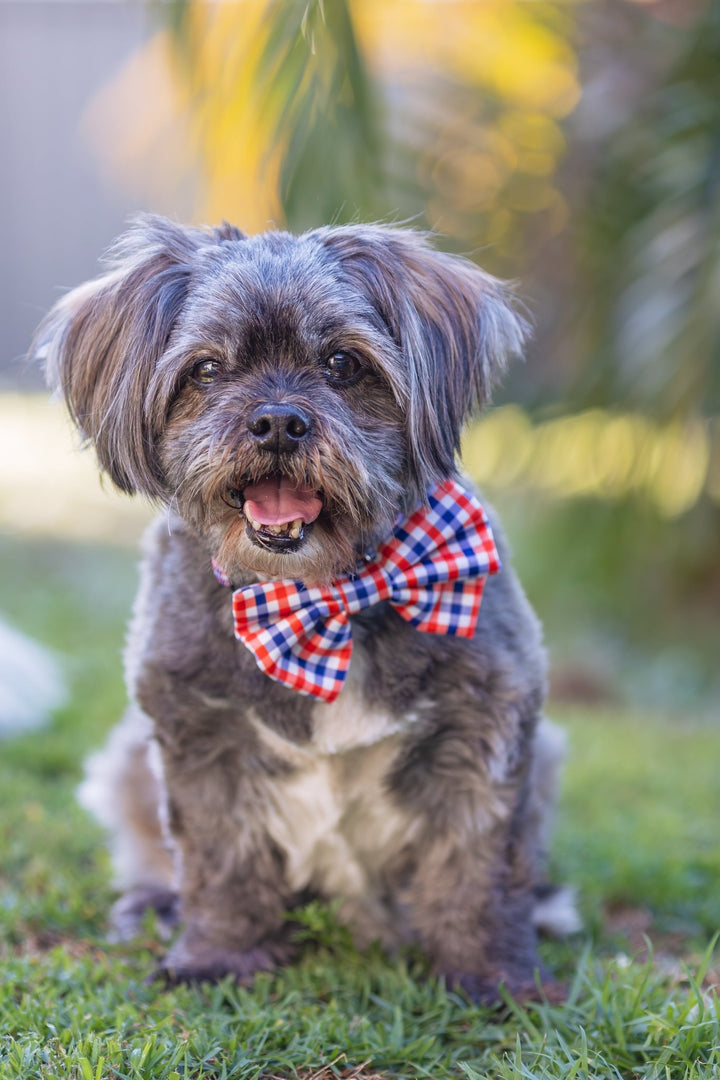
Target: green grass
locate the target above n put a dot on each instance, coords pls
(637, 833)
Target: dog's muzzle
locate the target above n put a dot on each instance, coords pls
(278, 509)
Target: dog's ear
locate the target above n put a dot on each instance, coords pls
(454, 325)
(100, 343)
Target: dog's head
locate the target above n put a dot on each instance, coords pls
(288, 395)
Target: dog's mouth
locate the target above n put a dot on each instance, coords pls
(279, 513)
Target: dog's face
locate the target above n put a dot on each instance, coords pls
(289, 396)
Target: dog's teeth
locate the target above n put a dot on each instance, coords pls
(290, 529)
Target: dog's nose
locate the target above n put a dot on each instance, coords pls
(280, 427)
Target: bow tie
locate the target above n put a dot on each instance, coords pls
(432, 570)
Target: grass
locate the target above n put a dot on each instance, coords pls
(637, 832)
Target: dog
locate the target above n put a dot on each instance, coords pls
(294, 404)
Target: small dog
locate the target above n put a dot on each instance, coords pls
(295, 404)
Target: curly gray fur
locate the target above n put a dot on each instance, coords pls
(420, 797)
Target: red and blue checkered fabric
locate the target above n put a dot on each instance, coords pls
(432, 570)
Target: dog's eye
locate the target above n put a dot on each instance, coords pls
(342, 367)
(206, 371)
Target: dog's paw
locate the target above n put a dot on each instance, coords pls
(128, 913)
(484, 990)
(204, 962)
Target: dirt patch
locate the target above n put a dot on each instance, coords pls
(668, 951)
(42, 942)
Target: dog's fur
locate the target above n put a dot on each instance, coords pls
(420, 797)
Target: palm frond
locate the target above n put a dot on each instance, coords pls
(328, 119)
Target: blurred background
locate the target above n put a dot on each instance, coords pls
(571, 146)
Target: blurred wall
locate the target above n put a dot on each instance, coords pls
(58, 211)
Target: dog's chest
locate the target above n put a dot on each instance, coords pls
(333, 815)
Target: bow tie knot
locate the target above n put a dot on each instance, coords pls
(432, 571)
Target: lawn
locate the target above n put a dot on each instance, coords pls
(637, 833)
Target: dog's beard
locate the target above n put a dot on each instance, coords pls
(310, 515)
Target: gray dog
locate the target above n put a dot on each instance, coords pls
(295, 404)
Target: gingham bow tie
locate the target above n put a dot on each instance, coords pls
(432, 570)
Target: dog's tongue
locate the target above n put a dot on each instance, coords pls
(276, 501)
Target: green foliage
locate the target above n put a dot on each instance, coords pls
(650, 231)
(314, 79)
(638, 821)
(446, 116)
(624, 594)
(94, 1016)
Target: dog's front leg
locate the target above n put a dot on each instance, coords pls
(476, 929)
(476, 925)
(470, 886)
(234, 896)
